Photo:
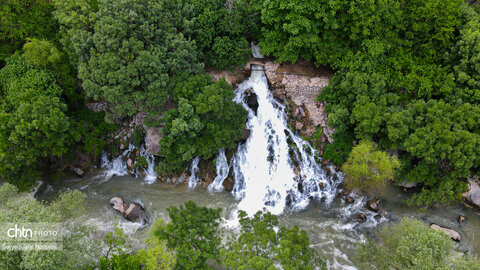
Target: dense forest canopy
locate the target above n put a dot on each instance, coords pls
(407, 78)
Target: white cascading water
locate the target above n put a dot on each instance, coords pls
(118, 166)
(266, 175)
(222, 170)
(193, 179)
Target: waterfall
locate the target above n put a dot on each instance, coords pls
(256, 50)
(118, 166)
(151, 175)
(193, 179)
(275, 167)
(222, 169)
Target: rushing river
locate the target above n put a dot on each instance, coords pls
(276, 171)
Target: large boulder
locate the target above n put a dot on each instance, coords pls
(133, 212)
(252, 101)
(152, 140)
(451, 233)
(118, 204)
(472, 195)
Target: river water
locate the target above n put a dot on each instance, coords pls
(276, 171)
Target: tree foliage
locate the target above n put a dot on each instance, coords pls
(205, 120)
(411, 244)
(77, 249)
(369, 169)
(133, 55)
(23, 19)
(262, 245)
(442, 140)
(33, 124)
(193, 234)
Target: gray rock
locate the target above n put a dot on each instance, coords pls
(461, 219)
(245, 134)
(361, 218)
(78, 171)
(472, 195)
(296, 112)
(228, 183)
(451, 233)
(118, 204)
(406, 184)
(135, 213)
(129, 164)
(373, 204)
(152, 140)
(298, 125)
(349, 199)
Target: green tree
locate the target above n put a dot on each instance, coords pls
(205, 120)
(33, 124)
(369, 169)
(442, 145)
(118, 253)
(134, 53)
(262, 245)
(465, 61)
(41, 52)
(156, 255)
(77, 21)
(22, 19)
(229, 53)
(220, 29)
(193, 234)
(78, 247)
(411, 244)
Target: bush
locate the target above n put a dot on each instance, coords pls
(369, 169)
(77, 246)
(411, 244)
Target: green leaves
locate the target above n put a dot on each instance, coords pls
(133, 55)
(193, 234)
(261, 245)
(369, 169)
(23, 19)
(444, 140)
(411, 244)
(77, 246)
(205, 120)
(33, 124)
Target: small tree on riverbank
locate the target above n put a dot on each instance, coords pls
(369, 169)
(411, 244)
